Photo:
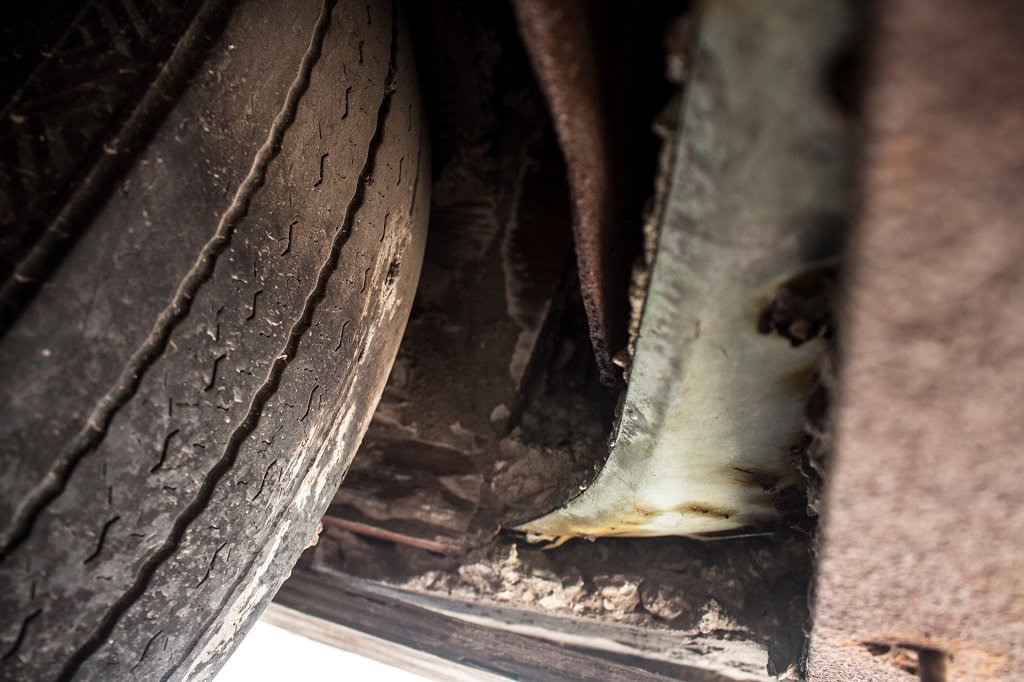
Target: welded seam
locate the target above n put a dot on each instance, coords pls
(95, 429)
(317, 295)
(229, 455)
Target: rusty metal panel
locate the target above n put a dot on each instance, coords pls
(585, 96)
(922, 552)
(734, 323)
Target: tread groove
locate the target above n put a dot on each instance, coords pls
(22, 631)
(145, 650)
(213, 560)
(101, 539)
(316, 295)
(86, 441)
(263, 483)
(247, 189)
(225, 463)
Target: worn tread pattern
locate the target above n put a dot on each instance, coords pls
(157, 340)
(70, 128)
(168, 519)
(153, 346)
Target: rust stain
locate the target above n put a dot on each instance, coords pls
(623, 525)
(799, 383)
(799, 309)
(705, 510)
(963, 659)
(765, 480)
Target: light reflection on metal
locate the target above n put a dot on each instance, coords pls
(759, 194)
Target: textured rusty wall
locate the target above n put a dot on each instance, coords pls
(923, 542)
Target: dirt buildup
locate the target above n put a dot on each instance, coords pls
(751, 590)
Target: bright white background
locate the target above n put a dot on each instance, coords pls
(272, 653)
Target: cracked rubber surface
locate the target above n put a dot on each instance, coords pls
(182, 394)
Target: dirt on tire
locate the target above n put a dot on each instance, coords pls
(183, 392)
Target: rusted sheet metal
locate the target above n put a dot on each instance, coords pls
(922, 552)
(733, 326)
(559, 37)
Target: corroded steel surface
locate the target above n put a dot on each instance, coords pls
(733, 325)
(587, 98)
(922, 540)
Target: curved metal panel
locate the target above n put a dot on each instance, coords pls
(734, 322)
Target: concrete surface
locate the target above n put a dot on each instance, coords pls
(923, 542)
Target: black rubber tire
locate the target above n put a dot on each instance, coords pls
(180, 398)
